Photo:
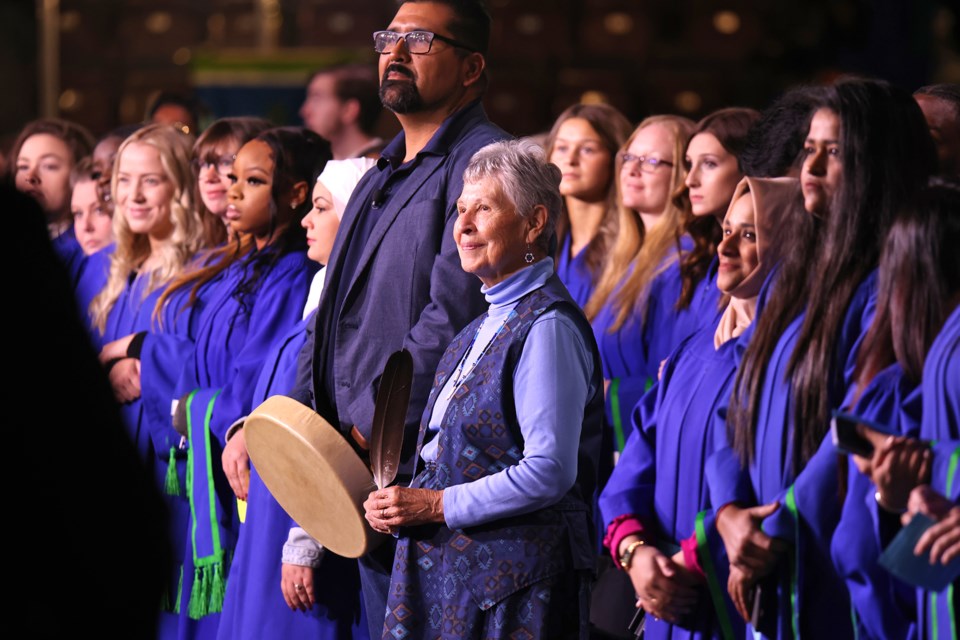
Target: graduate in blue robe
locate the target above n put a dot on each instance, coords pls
(882, 606)
(941, 424)
(258, 298)
(923, 240)
(42, 159)
(70, 252)
(153, 179)
(658, 490)
(631, 354)
(575, 274)
(91, 281)
(811, 500)
(583, 142)
(801, 361)
(254, 600)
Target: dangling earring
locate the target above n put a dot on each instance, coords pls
(528, 256)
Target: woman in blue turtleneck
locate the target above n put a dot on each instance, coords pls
(510, 437)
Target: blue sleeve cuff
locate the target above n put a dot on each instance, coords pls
(727, 480)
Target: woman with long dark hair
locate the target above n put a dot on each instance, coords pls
(713, 172)
(262, 280)
(907, 379)
(867, 152)
(584, 142)
(319, 592)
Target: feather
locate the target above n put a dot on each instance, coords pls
(390, 416)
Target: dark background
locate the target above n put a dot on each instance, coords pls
(680, 56)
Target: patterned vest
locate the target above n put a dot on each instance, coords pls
(480, 436)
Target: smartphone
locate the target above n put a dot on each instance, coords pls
(763, 609)
(847, 438)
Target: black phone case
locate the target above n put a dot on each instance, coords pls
(763, 617)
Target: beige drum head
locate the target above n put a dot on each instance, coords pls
(313, 473)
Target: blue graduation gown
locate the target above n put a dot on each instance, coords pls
(632, 354)
(659, 477)
(575, 274)
(132, 313)
(90, 281)
(232, 342)
(70, 252)
(166, 348)
(883, 607)
(254, 601)
(941, 423)
(809, 506)
(705, 304)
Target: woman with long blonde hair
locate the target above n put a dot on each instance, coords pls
(633, 309)
(157, 233)
(155, 223)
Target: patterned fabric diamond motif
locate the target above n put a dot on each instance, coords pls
(402, 612)
(493, 451)
(474, 471)
(461, 542)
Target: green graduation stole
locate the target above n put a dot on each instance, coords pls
(210, 561)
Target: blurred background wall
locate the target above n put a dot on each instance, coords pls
(101, 62)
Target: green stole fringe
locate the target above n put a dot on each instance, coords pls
(209, 558)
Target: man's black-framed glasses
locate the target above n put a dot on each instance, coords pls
(418, 42)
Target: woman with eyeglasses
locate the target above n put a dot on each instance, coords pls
(213, 156)
(632, 310)
(583, 143)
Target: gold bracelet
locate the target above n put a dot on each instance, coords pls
(627, 554)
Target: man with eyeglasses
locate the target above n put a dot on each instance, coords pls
(394, 279)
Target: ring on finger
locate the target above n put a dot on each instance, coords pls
(383, 513)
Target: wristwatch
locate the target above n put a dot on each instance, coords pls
(627, 554)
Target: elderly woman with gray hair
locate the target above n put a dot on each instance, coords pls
(495, 533)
